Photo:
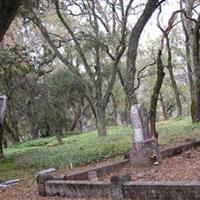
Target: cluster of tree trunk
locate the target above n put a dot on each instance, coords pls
(95, 92)
(8, 11)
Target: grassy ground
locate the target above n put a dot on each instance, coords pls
(86, 148)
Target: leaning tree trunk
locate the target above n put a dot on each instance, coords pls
(8, 10)
(154, 97)
(173, 82)
(133, 47)
(195, 107)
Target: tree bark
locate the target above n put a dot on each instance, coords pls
(162, 103)
(14, 136)
(8, 12)
(172, 79)
(1, 142)
(133, 47)
(101, 121)
(59, 138)
(77, 116)
(195, 107)
(154, 97)
(187, 31)
(114, 109)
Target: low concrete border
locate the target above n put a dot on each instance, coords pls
(126, 190)
(76, 185)
(175, 150)
(101, 171)
(161, 190)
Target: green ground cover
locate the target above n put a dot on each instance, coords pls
(87, 148)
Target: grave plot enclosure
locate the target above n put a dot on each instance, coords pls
(88, 184)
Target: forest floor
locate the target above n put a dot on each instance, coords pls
(88, 150)
(184, 167)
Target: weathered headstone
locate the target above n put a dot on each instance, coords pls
(119, 121)
(146, 150)
(2, 108)
(139, 120)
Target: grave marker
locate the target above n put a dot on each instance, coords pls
(2, 108)
(146, 150)
(139, 119)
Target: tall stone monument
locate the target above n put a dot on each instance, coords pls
(146, 150)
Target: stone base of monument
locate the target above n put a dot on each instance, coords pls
(146, 154)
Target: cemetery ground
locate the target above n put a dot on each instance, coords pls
(83, 151)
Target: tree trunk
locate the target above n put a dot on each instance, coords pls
(8, 10)
(34, 132)
(126, 111)
(14, 136)
(77, 116)
(173, 82)
(192, 48)
(59, 138)
(176, 92)
(1, 142)
(114, 109)
(5, 143)
(162, 103)
(188, 51)
(195, 107)
(154, 97)
(101, 122)
(133, 47)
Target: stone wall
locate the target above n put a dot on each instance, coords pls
(101, 171)
(127, 190)
(83, 189)
(162, 190)
(175, 150)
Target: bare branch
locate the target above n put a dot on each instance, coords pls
(140, 76)
(78, 47)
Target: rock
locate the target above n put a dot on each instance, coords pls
(92, 176)
(47, 171)
(140, 175)
(12, 182)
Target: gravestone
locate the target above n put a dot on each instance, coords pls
(146, 150)
(2, 108)
(119, 121)
(125, 124)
